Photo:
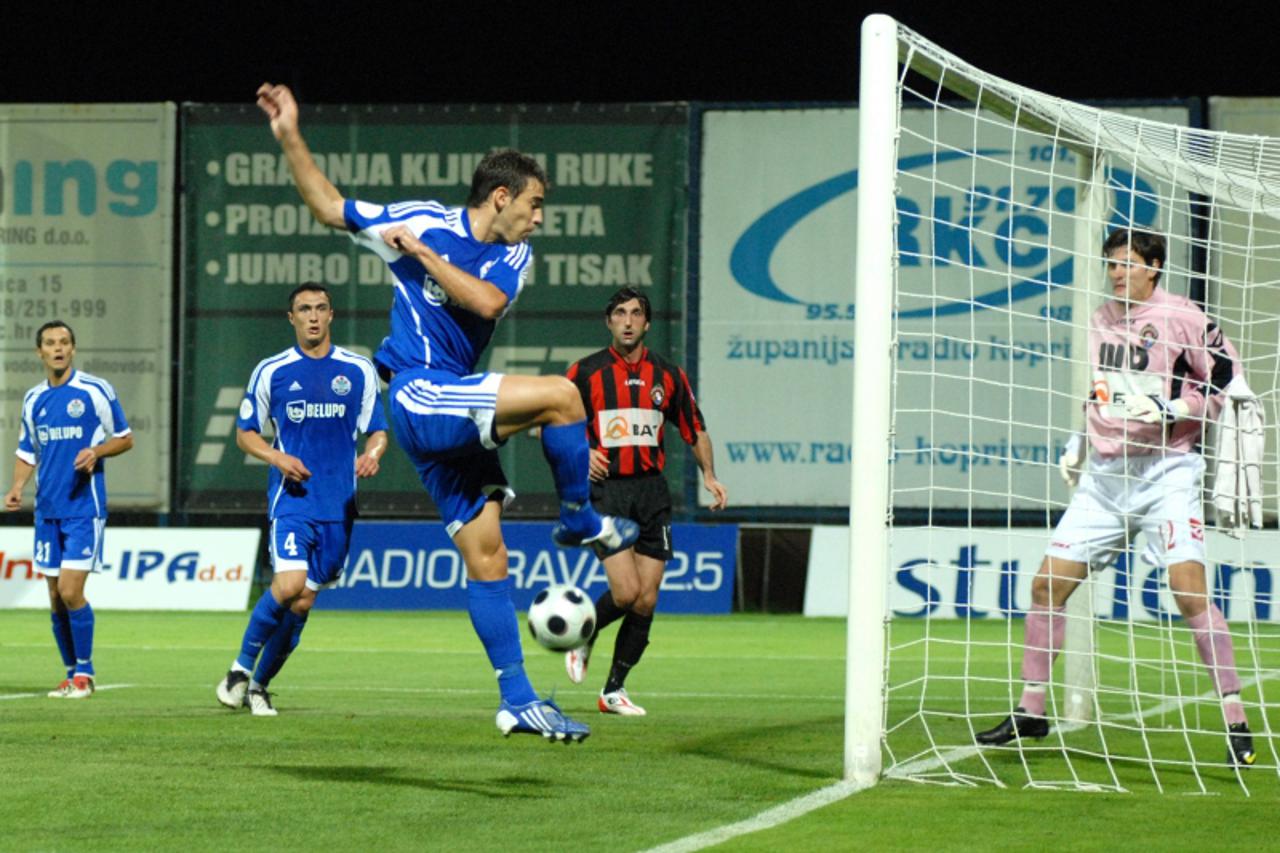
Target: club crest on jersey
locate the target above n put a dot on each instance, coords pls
(75, 408)
(296, 410)
(341, 385)
(1148, 336)
(433, 292)
(657, 395)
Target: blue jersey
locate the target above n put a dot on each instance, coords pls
(317, 407)
(427, 330)
(58, 421)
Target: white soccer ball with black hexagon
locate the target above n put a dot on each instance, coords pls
(562, 617)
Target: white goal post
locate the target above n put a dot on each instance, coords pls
(982, 206)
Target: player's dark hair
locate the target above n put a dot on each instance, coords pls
(1145, 244)
(54, 324)
(312, 287)
(626, 294)
(505, 167)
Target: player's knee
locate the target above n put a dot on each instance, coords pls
(625, 595)
(286, 587)
(70, 593)
(564, 399)
(302, 604)
(1041, 590)
(1190, 606)
(645, 603)
(488, 564)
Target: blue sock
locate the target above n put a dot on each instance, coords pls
(279, 646)
(566, 449)
(263, 622)
(494, 618)
(66, 645)
(82, 636)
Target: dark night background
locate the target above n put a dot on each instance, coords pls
(609, 52)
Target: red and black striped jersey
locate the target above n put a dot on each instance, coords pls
(628, 404)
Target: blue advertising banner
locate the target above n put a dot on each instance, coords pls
(414, 566)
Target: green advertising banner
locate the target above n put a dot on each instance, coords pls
(86, 237)
(615, 216)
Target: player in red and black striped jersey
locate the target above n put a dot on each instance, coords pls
(630, 395)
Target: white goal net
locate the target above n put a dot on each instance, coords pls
(983, 208)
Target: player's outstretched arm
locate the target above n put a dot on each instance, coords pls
(474, 294)
(22, 471)
(367, 463)
(87, 459)
(255, 445)
(320, 195)
(703, 452)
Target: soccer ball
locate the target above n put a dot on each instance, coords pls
(561, 617)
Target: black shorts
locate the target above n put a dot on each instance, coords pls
(644, 500)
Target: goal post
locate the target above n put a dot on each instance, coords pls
(981, 211)
(871, 441)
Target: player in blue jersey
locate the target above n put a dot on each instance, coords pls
(457, 272)
(70, 422)
(317, 399)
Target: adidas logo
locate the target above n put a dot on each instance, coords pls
(87, 552)
(295, 386)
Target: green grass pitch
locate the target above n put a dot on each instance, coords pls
(386, 741)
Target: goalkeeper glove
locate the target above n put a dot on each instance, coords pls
(1071, 462)
(1153, 410)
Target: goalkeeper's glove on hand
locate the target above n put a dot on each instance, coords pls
(1071, 462)
(1153, 410)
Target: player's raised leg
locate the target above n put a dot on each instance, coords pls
(553, 403)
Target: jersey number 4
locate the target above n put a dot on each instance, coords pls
(291, 544)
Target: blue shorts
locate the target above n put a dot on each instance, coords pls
(69, 543)
(446, 423)
(317, 547)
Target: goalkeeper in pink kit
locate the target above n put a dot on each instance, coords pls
(1159, 370)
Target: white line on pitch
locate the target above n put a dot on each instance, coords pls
(46, 693)
(765, 820)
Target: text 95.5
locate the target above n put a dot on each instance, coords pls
(828, 311)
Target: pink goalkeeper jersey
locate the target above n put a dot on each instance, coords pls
(1165, 347)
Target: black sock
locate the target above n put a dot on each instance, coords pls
(607, 612)
(633, 636)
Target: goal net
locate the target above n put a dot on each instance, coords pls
(982, 211)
